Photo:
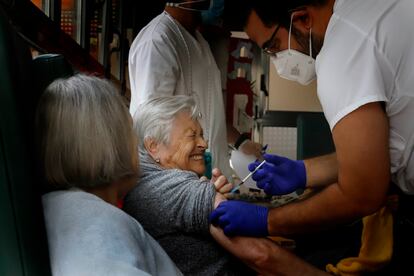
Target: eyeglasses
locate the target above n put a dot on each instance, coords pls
(269, 44)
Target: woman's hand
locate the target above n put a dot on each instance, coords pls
(215, 173)
(223, 186)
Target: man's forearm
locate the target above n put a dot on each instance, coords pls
(279, 261)
(321, 171)
(264, 256)
(329, 207)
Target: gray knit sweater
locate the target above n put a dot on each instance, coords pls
(173, 206)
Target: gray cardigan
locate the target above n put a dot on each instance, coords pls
(173, 206)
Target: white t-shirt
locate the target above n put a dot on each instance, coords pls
(368, 56)
(165, 59)
(88, 236)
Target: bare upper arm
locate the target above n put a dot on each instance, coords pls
(362, 147)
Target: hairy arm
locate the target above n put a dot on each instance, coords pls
(361, 141)
(264, 256)
(321, 171)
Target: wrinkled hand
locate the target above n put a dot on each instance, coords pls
(215, 173)
(222, 185)
(240, 218)
(279, 175)
(251, 148)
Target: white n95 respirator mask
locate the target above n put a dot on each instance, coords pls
(294, 65)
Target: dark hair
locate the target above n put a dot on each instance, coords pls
(271, 12)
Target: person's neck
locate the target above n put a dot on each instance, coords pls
(327, 13)
(108, 193)
(114, 191)
(190, 20)
(324, 14)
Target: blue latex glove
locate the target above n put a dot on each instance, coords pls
(279, 175)
(240, 218)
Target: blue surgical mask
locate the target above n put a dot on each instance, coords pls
(212, 16)
(294, 65)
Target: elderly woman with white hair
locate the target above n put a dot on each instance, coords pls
(88, 150)
(171, 201)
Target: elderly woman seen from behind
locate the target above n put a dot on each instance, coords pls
(171, 201)
(88, 151)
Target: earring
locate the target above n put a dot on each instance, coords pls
(157, 160)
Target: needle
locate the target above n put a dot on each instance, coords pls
(247, 177)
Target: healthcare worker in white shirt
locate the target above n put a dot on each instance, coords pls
(170, 57)
(362, 54)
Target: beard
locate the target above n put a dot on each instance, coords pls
(303, 41)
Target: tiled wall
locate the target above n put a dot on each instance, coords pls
(281, 141)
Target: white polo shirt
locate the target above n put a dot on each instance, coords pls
(368, 56)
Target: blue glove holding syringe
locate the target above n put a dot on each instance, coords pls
(247, 177)
(251, 173)
(280, 175)
(276, 175)
(241, 218)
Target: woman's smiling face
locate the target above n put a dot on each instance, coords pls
(186, 146)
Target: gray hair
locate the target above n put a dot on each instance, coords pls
(85, 134)
(154, 117)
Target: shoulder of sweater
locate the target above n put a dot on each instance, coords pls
(156, 182)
